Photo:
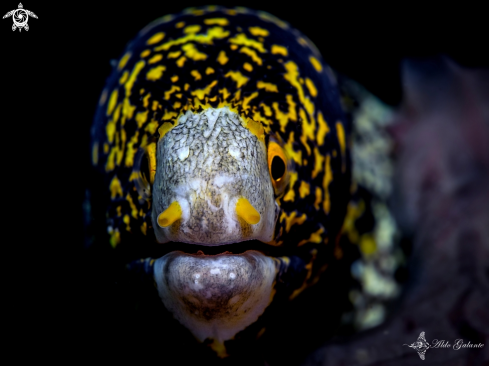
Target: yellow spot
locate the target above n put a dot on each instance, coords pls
(225, 93)
(242, 40)
(279, 50)
(155, 73)
(292, 77)
(314, 238)
(201, 93)
(258, 32)
(304, 189)
(323, 129)
(151, 150)
(217, 21)
(106, 148)
(341, 139)
(165, 127)
(191, 29)
(315, 62)
(247, 100)
(169, 115)
(170, 215)
(222, 58)
(134, 74)
(296, 156)
(174, 54)
(177, 105)
(319, 197)
(292, 219)
(130, 150)
(134, 210)
(95, 153)
(193, 53)
(196, 74)
(231, 11)
(181, 61)
(209, 71)
(155, 59)
(302, 42)
(267, 86)
(115, 238)
(174, 78)
(284, 118)
(266, 109)
(151, 127)
(318, 163)
(234, 47)
(197, 12)
(180, 25)
(312, 88)
(144, 227)
(255, 128)
(116, 114)
(328, 177)
(123, 61)
(115, 188)
(127, 109)
(247, 67)
(239, 78)
(127, 220)
(158, 37)
(146, 100)
(307, 130)
(124, 77)
(145, 53)
(112, 101)
(252, 53)
(290, 196)
(247, 212)
(367, 244)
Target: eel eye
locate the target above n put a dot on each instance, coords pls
(144, 170)
(277, 165)
(278, 168)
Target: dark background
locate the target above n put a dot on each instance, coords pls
(51, 79)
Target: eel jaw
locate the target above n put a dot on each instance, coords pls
(216, 296)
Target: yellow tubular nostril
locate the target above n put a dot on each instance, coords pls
(247, 212)
(170, 215)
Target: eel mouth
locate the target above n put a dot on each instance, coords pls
(216, 295)
(224, 249)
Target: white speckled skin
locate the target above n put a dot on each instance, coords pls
(215, 296)
(206, 163)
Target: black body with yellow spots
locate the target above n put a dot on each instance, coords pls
(274, 78)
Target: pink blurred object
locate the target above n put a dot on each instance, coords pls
(441, 200)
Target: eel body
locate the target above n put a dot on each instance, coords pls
(223, 156)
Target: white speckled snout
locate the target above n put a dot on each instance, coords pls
(215, 296)
(206, 163)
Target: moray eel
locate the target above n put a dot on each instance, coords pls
(221, 141)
